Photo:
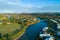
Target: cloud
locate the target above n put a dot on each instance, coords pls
(53, 8)
(16, 5)
(20, 4)
(6, 11)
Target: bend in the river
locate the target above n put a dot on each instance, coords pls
(33, 31)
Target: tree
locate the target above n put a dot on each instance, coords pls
(0, 35)
(11, 19)
(6, 36)
(4, 21)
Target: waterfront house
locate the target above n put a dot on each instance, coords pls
(1, 22)
(58, 29)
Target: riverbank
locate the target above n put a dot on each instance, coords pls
(33, 31)
(24, 29)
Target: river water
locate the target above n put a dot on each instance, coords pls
(33, 31)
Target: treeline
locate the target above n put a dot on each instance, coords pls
(8, 36)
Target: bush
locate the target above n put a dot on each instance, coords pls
(6, 36)
(0, 35)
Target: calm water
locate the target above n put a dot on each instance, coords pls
(33, 31)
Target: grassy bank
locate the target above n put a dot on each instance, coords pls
(23, 30)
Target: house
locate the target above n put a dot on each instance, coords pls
(8, 22)
(58, 29)
(1, 22)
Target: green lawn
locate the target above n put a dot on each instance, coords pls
(8, 28)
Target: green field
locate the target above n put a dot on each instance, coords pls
(8, 28)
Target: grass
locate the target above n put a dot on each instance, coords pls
(8, 28)
(20, 33)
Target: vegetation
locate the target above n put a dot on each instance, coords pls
(8, 28)
(14, 26)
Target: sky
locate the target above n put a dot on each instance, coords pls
(29, 6)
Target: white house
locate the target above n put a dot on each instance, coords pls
(8, 22)
(1, 22)
(58, 27)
